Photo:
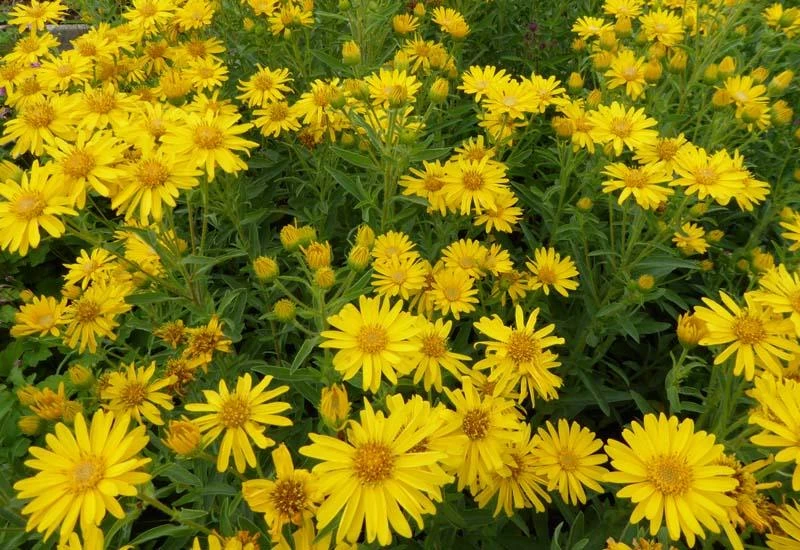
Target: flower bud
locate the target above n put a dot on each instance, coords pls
(796, 174)
(575, 82)
(248, 24)
(26, 296)
(760, 74)
(334, 406)
(699, 209)
(71, 409)
(677, 64)
(762, 261)
(266, 269)
(338, 100)
(307, 235)
(365, 236)
(318, 255)
(706, 265)
(797, 135)
(786, 215)
(30, 425)
(608, 40)
(752, 113)
(81, 377)
(419, 9)
(584, 204)
(325, 278)
(439, 90)
(344, 5)
(788, 18)
(727, 66)
(183, 437)
(781, 113)
(623, 27)
(721, 98)
(602, 60)
(780, 83)
(401, 61)
(351, 53)
(562, 126)
(653, 70)
(358, 258)
(711, 74)
(347, 140)
(715, 235)
(594, 98)
(290, 237)
(646, 282)
(690, 330)
(27, 395)
(657, 51)
(284, 310)
(578, 45)
(743, 265)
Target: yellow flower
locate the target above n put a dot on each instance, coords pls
(453, 291)
(663, 150)
(393, 244)
(42, 316)
(547, 91)
(373, 338)
(780, 291)
(398, 277)
(568, 459)
(467, 255)
(642, 182)
(317, 255)
(428, 184)
(669, 473)
(432, 354)
(265, 86)
(627, 69)
(480, 81)
(662, 26)
(792, 224)
(203, 341)
(623, 9)
(473, 185)
(450, 21)
(376, 474)
(548, 269)
(39, 123)
(35, 202)
(276, 118)
(392, 88)
(31, 48)
(194, 14)
(90, 464)
(172, 333)
(36, 15)
(589, 27)
(266, 268)
(691, 329)
(789, 523)
(779, 399)
(146, 16)
(518, 355)
(243, 415)
(717, 175)
(93, 314)
(512, 99)
(503, 216)
(130, 392)
(404, 23)
(208, 73)
(752, 333)
(622, 128)
(99, 108)
(690, 239)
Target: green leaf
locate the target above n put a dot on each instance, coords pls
(357, 159)
(179, 474)
(303, 353)
(162, 531)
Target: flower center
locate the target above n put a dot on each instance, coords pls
(278, 112)
(208, 137)
(670, 474)
(87, 474)
(133, 394)
(630, 73)
(546, 274)
(466, 263)
(45, 320)
(29, 44)
(472, 180)
(30, 86)
(433, 346)
(749, 330)
(156, 50)
(568, 460)
(666, 150)
(794, 301)
(372, 339)
(148, 9)
(621, 127)
(635, 179)
(522, 347)
(373, 463)
(432, 183)
(475, 424)
(452, 293)
(29, 206)
(78, 164)
(40, 115)
(399, 277)
(706, 177)
(101, 103)
(263, 83)
(288, 497)
(741, 96)
(660, 28)
(234, 412)
(87, 311)
(152, 173)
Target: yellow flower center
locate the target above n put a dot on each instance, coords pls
(204, 341)
(35, 12)
(509, 101)
(152, 173)
(156, 50)
(630, 73)
(670, 474)
(278, 112)
(29, 206)
(452, 293)
(87, 474)
(522, 347)
(568, 460)
(101, 103)
(472, 180)
(29, 44)
(373, 463)
(635, 179)
(45, 320)
(399, 277)
(660, 28)
(475, 424)
(30, 86)
(706, 176)
(156, 127)
(433, 346)
(322, 97)
(666, 150)
(133, 394)
(87, 49)
(196, 48)
(372, 339)
(148, 9)
(740, 96)
(749, 330)
(288, 497)
(263, 82)
(40, 115)
(208, 137)
(794, 301)
(78, 164)
(621, 127)
(546, 275)
(234, 412)
(87, 311)
(432, 183)
(205, 72)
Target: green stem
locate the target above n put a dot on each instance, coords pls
(173, 513)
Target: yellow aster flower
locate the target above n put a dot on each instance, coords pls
(641, 181)
(568, 459)
(131, 392)
(467, 255)
(588, 27)
(777, 417)
(62, 71)
(99, 108)
(580, 125)
(392, 88)
(88, 269)
(288, 17)
(398, 277)
(93, 464)
(39, 123)
(242, 415)
(35, 15)
(752, 333)
(147, 16)
(194, 14)
(663, 27)
(376, 476)
(453, 291)
(789, 523)
(204, 340)
(41, 316)
(663, 150)
(548, 269)
(627, 69)
(428, 184)
(717, 175)
(670, 474)
(373, 338)
(503, 216)
(547, 91)
(512, 98)
(620, 128)
(31, 48)
(623, 9)
(276, 118)
(780, 291)
(206, 74)
(480, 81)
(404, 23)
(691, 239)
(265, 86)
(393, 244)
(432, 354)
(94, 314)
(473, 185)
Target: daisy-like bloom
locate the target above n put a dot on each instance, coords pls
(470, 184)
(428, 184)
(490, 425)
(789, 523)
(641, 181)
(398, 277)
(173, 333)
(87, 162)
(548, 269)
(620, 128)
(392, 88)
(393, 244)
(377, 474)
(39, 123)
(512, 98)
(580, 125)
(315, 105)
(49, 404)
(81, 474)
(663, 150)
(243, 415)
(194, 14)
(717, 175)
(204, 340)
(752, 507)
(512, 285)
(288, 499)
(497, 261)
(93, 314)
(627, 69)
(568, 459)
(662, 26)
(41, 316)
(518, 355)
(90, 268)
(31, 48)
(670, 473)
(745, 92)
(450, 21)
(206, 74)
(780, 291)
(752, 333)
(791, 222)
(131, 392)
(467, 255)
(62, 71)
(147, 16)
(453, 291)
(503, 216)
(35, 202)
(691, 239)
(499, 127)
(523, 487)
(589, 27)
(690, 329)
(754, 192)
(777, 417)
(153, 181)
(265, 86)
(276, 118)
(547, 91)
(623, 9)
(211, 140)
(479, 81)
(99, 108)
(432, 354)
(290, 16)
(373, 338)
(36, 15)
(404, 23)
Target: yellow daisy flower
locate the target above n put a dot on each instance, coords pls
(778, 399)
(717, 175)
(265, 86)
(41, 316)
(131, 392)
(206, 74)
(662, 26)
(627, 69)
(147, 16)
(641, 181)
(62, 71)
(670, 474)
(432, 354)
(428, 184)
(512, 98)
(392, 88)
(39, 123)
(90, 268)
(548, 269)
(620, 128)
(663, 150)
(789, 523)
(276, 118)
(690, 239)
(194, 14)
(398, 277)
(204, 340)
(31, 48)
(480, 81)
(242, 415)
(99, 108)
(393, 244)
(588, 27)
(467, 255)
(623, 9)
(36, 15)
(503, 216)
(780, 291)
(93, 314)
(453, 291)
(470, 184)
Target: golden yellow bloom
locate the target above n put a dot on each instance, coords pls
(131, 392)
(88, 269)
(403, 277)
(49, 404)
(792, 233)
(627, 70)
(404, 23)
(392, 88)
(42, 316)
(690, 239)
(147, 16)
(243, 415)
(788, 538)
(590, 27)
(662, 26)
(80, 376)
(317, 255)
(642, 182)
(470, 184)
(778, 399)
(622, 128)
(691, 329)
(393, 244)
(548, 269)
(183, 437)
(203, 341)
(36, 15)
(90, 464)
(94, 314)
(172, 333)
(453, 291)
(30, 425)
(480, 81)
(265, 87)
(432, 353)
